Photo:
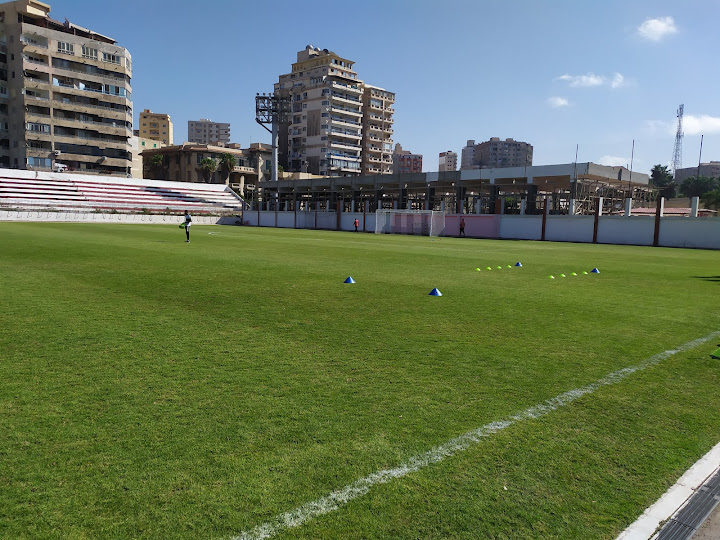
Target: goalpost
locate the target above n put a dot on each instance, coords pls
(420, 222)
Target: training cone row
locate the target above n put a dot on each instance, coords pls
(517, 264)
(593, 271)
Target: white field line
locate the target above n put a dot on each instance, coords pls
(334, 500)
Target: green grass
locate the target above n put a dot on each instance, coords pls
(151, 388)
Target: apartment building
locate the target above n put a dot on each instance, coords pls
(447, 161)
(338, 125)
(495, 153)
(156, 126)
(377, 130)
(208, 132)
(65, 94)
(710, 170)
(467, 156)
(405, 162)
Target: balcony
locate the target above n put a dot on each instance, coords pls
(344, 156)
(343, 146)
(343, 121)
(343, 97)
(347, 87)
(345, 110)
(344, 133)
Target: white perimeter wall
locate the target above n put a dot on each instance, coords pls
(637, 230)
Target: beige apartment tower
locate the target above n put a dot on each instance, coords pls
(66, 101)
(447, 161)
(208, 132)
(338, 125)
(156, 126)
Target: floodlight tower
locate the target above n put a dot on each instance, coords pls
(272, 109)
(677, 153)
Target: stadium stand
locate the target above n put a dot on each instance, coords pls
(31, 190)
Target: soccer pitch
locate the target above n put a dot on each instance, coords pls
(235, 387)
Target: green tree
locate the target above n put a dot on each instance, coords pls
(227, 164)
(697, 186)
(662, 178)
(207, 168)
(711, 199)
(157, 166)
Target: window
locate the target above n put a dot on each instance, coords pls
(326, 103)
(88, 52)
(325, 114)
(37, 128)
(304, 105)
(66, 48)
(112, 58)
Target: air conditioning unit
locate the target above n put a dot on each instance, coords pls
(57, 152)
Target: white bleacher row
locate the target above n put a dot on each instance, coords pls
(64, 191)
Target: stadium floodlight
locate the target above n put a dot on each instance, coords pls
(417, 222)
(272, 109)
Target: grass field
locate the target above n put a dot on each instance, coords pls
(151, 388)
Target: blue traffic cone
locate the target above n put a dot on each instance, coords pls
(349, 280)
(435, 292)
(594, 271)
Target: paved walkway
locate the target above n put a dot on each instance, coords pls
(689, 509)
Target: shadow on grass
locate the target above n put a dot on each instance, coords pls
(715, 279)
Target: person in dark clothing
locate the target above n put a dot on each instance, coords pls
(462, 226)
(188, 222)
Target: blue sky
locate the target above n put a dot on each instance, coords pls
(553, 73)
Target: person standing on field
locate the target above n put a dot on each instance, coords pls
(356, 223)
(462, 226)
(188, 222)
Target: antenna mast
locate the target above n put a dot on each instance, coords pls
(677, 153)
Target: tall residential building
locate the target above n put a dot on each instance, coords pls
(156, 126)
(467, 156)
(405, 162)
(338, 125)
(447, 161)
(208, 132)
(496, 154)
(65, 94)
(377, 130)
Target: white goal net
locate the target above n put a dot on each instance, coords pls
(420, 222)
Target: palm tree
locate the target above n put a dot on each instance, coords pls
(207, 167)
(227, 164)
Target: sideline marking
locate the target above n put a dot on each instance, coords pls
(335, 499)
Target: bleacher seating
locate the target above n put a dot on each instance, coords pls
(31, 190)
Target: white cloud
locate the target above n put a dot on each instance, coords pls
(613, 161)
(582, 80)
(701, 125)
(590, 79)
(657, 29)
(617, 81)
(556, 102)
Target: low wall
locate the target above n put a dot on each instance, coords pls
(675, 231)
